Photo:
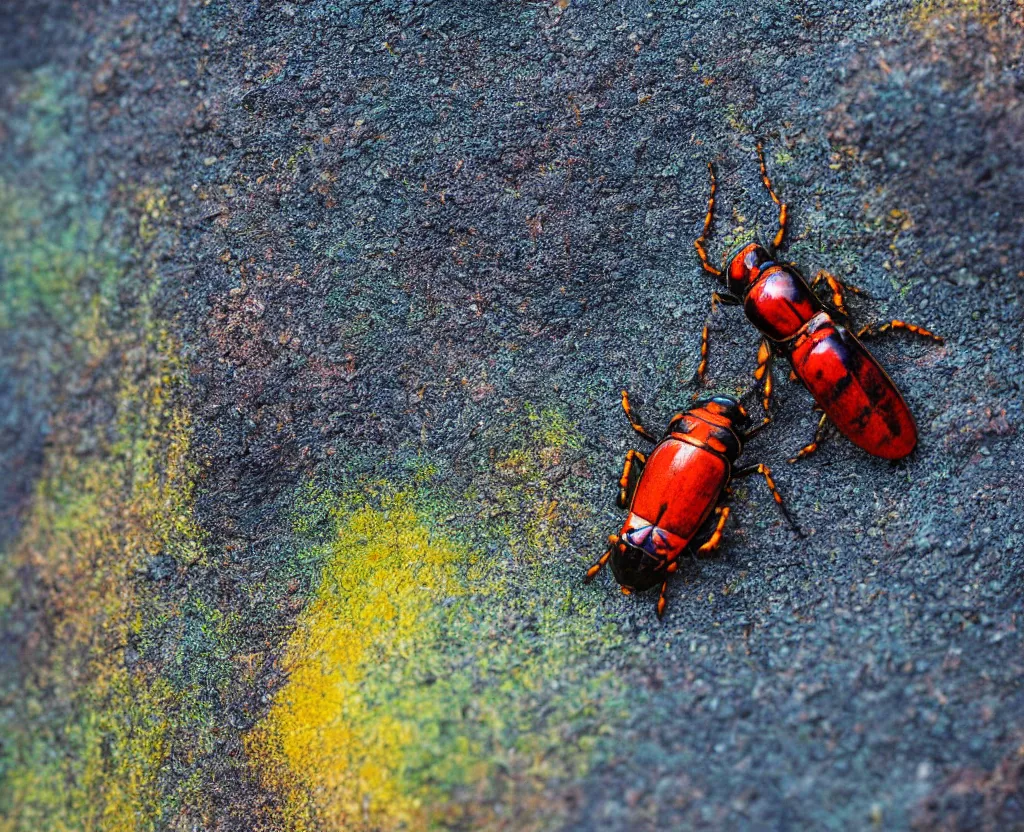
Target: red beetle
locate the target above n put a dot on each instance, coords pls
(674, 490)
(845, 380)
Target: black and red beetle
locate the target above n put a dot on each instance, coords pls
(846, 381)
(675, 489)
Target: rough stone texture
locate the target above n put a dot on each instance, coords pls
(401, 221)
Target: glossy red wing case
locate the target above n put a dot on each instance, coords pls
(852, 388)
(680, 487)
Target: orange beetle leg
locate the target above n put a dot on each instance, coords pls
(838, 288)
(766, 472)
(702, 368)
(780, 235)
(716, 535)
(662, 602)
(702, 239)
(631, 470)
(764, 371)
(597, 567)
(809, 449)
(875, 329)
(705, 334)
(646, 434)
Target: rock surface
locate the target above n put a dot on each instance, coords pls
(313, 322)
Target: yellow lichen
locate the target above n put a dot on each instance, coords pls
(90, 756)
(384, 577)
(152, 206)
(428, 685)
(86, 720)
(925, 12)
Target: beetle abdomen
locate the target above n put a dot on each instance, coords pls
(855, 392)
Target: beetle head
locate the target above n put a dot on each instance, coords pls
(742, 267)
(635, 568)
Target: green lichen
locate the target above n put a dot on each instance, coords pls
(88, 719)
(430, 681)
(52, 258)
(88, 730)
(737, 237)
(48, 273)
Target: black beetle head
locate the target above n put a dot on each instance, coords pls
(636, 569)
(743, 265)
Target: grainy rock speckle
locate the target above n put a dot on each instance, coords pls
(400, 222)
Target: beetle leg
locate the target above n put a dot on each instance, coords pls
(716, 535)
(716, 298)
(809, 449)
(597, 567)
(764, 371)
(631, 470)
(646, 434)
(753, 432)
(780, 235)
(837, 287)
(662, 602)
(702, 239)
(875, 329)
(702, 368)
(766, 472)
